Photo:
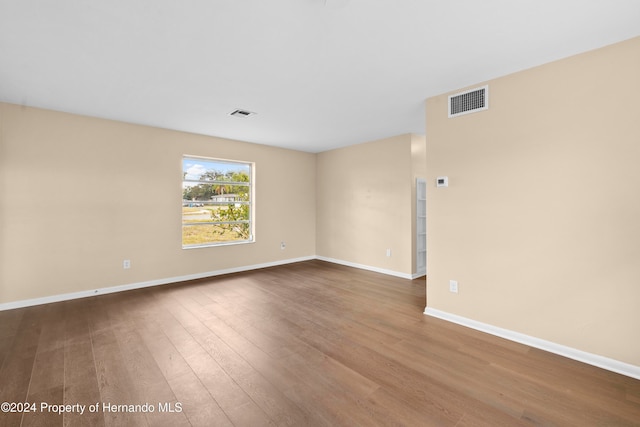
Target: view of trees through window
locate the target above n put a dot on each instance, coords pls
(216, 202)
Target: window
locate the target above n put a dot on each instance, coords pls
(217, 202)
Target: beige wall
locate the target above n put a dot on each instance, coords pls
(79, 195)
(541, 221)
(364, 203)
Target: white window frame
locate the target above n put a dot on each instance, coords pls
(250, 202)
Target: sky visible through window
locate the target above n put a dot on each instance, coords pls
(195, 168)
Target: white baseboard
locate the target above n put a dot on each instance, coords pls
(168, 280)
(366, 267)
(140, 285)
(572, 353)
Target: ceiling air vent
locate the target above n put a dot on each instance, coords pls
(241, 113)
(469, 101)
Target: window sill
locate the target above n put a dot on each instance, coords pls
(215, 245)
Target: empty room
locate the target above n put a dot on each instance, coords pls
(319, 213)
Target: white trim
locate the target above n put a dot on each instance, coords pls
(366, 267)
(562, 350)
(140, 285)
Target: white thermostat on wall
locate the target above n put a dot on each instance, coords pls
(442, 181)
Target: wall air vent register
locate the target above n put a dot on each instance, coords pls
(469, 101)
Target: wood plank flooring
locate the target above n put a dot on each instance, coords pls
(310, 343)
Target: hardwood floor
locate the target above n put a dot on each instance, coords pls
(304, 344)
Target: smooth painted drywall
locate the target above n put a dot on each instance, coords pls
(540, 223)
(364, 202)
(79, 195)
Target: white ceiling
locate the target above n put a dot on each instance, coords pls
(320, 74)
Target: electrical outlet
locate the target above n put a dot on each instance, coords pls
(388, 252)
(282, 245)
(453, 286)
(126, 264)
